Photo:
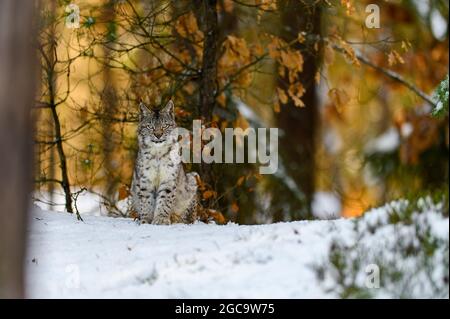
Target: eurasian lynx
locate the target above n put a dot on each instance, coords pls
(161, 192)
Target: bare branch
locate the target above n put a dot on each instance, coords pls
(390, 74)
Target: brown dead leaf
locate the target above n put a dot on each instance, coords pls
(221, 99)
(276, 107)
(210, 214)
(328, 55)
(228, 6)
(234, 207)
(124, 192)
(339, 98)
(282, 96)
(394, 58)
(208, 194)
(134, 215)
(201, 185)
(293, 60)
(240, 180)
(317, 77)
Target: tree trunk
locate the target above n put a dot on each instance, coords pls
(62, 157)
(51, 129)
(208, 81)
(297, 145)
(17, 90)
(109, 107)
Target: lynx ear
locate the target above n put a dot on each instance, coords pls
(168, 108)
(145, 111)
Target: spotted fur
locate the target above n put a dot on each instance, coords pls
(161, 192)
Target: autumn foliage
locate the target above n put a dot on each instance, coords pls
(126, 51)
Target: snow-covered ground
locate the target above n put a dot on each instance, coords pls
(105, 257)
(114, 257)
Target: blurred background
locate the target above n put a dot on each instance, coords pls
(352, 103)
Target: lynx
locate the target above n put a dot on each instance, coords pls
(161, 192)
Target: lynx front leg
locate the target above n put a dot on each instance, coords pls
(143, 202)
(146, 209)
(190, 215)
(164, 203)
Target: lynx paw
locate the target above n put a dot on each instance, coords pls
(161, 220)
(145, 219)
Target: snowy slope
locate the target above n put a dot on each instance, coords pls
(106, 257)
(103, 257)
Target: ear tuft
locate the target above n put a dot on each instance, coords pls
(168, 108)
(144, 109)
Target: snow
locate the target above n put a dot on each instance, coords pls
(423, 6)
(106, 257)
(400, 249)
(326, 205)
(438, 25)
(88, 202)
(439, 106)
(247, 112)
(332, 141)
(406, 129)
(387, 142)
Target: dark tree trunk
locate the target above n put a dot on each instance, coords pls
(109, 106)
(297, 145)
(17, 90)
(50, 130)
(208, 82)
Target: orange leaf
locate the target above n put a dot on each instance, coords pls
(394, 57)
(339, 98)
(240, 180)
(209, 194)
(134, 215)
(187, 25)
(228, 6)
(257, 49)
(276, 107)
(123, 192)
(234, 207)
(298, 102)
(301, 37)
(215, 215)
(201, 185)
(274, 47)
(317, 77)
(221, 99)
(293, 60)
(282, 96)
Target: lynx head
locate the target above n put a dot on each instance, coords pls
(155, 125)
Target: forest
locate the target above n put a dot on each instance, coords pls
(352, 102)
(357, 90)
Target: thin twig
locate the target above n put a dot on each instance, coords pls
(390, 74)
